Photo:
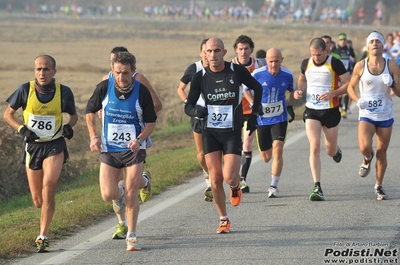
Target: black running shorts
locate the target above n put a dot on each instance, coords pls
(328, 117)
(35, 153)
(123, 159)
(225, 140)
(266, 134)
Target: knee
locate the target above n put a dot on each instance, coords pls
(381, 155)
(200, 156)
(315, 149)
(266, 158)
(38, 202)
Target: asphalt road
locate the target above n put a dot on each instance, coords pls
(178, 226)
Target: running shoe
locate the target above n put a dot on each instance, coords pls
(121, 231)
(244, 187)
(224, 226)
(119, 204)
(316, 194)
(208, 196)
(132, 244)
(365, 167)
(338, 156)
(380, 194)
(273, 192)
(42, 245)
(145, 193)
(236, 196)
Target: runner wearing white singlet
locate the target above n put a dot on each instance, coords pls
(376, 78)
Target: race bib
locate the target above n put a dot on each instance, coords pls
(43, 126)
(272, 109)
(376, 102)
(219, 116)
(121, 134)
(313, 98)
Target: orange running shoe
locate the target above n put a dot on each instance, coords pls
(236, 195)
(224, 226)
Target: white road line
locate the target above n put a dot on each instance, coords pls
(100, 238)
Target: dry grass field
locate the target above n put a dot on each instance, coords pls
(163, 50)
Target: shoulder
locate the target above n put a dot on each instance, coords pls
(259, 70)
(286, 71)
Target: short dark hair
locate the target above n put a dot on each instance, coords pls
(261, 53)
(119, 49)
(318, 43)
(51, 58)
(326, 37)
(124, 58)
(202, 43)
(243, 39)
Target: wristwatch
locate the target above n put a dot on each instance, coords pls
(185, 101)
(140, 141)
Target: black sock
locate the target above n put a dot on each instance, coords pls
(246, 164)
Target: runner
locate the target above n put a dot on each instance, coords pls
(272, 125)
(321, 75)
(221, 84)
(376, 77)
(244, 47)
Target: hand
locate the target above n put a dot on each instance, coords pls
(28, 135)
(291, 113)
(252, 124)
(68, 132)
(387, 79)
(298, 94)
(200, 112)
(362, 103)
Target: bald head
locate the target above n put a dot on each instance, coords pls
(216, 41)
(273, 52)
(274, 60)
(215, 52)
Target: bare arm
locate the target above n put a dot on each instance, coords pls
(181, 91)
(9, 117)
(395, 72)
(291, 98)
(147, 130)
(91, 125)
(73, 119)
(351, 88)
(344, 82)
(301, 86)
(156, 100)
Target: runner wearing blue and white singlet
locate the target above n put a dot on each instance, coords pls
(376, 77)
(128, 118)
(272, 124)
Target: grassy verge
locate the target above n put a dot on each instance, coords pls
(79, 204)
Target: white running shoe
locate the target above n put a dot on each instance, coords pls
(273, 192)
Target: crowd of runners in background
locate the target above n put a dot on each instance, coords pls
(268, 13)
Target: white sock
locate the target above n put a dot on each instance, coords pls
(131, 234)
(274, 181)
(147, 182)
(123, 222)
(223, 217)
(121, 191)
(376, 186)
